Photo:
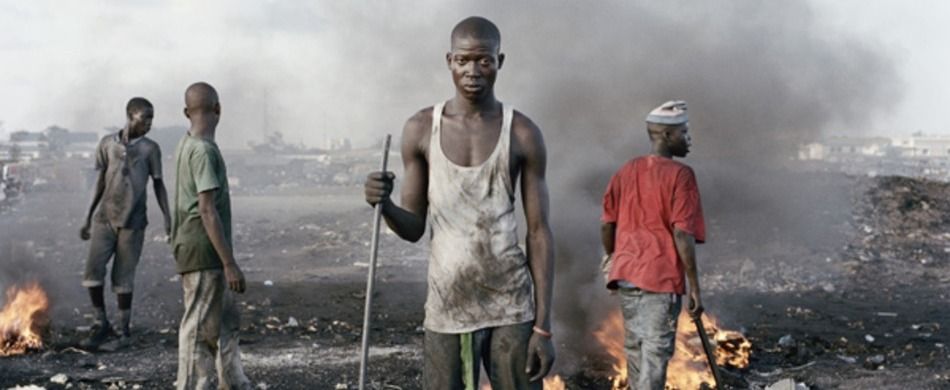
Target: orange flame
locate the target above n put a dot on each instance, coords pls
(687, 369)
(553, 383)
(610, 335)
(23, 319)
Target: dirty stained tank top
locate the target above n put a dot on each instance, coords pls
(478, 275)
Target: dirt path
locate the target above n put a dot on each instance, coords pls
(303, 258)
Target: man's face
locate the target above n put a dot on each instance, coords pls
(140, 122)
(680, 140)
(474, 63)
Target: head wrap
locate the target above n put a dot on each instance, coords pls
(672, 112)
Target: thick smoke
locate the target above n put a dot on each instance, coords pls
(317, 70)
(759, 77)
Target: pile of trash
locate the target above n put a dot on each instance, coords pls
(902, 219)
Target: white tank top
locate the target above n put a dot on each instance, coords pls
(478, 275)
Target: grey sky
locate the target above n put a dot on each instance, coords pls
(915, 35)
(311, 70)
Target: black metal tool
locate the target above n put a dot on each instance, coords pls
(708, 348)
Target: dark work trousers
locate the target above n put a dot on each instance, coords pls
(503, 350)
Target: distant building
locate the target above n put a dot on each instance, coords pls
(812, 151)
(26, 136)
(923, 146)
(25, 145)
(81, 137)
(54, 142)
(839, 148)
(83, 150)
(5, 152)
(338, 144)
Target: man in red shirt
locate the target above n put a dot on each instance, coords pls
(652, 221)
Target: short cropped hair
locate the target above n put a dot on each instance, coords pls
(137, 104)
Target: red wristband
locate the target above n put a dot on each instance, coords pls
(541, 332)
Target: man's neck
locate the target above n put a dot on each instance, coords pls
(472, 108)
(126, 136)
(661, 150)
(202, 129)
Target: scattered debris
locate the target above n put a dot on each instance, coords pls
(902, 219)
(292, 323)
(60, 379)
(786, 341)
(76, 350)
(787, 384)
(847, 359)
(874, 362)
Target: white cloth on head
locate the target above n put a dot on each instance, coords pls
(672, 112)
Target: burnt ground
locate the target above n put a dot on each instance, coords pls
(839, 265)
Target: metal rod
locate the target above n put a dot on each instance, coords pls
(371, 276)
(710, 353)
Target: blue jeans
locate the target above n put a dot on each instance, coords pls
(650, 335)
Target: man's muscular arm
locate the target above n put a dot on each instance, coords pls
(408, 221)
(534, 191)
(214, 228)
(161, 195)
(686, 248)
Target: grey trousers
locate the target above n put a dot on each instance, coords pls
(650, 333)
(208, 337)
(503, 350)
(107, 242)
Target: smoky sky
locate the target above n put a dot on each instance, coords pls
(319, 70)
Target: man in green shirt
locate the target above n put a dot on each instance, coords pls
(201, 242)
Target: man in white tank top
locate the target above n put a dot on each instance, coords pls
(487, 301)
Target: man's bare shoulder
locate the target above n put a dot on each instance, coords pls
(417, 128)
(421, 120)
(526, 133)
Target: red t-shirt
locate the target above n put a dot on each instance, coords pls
(647, 198)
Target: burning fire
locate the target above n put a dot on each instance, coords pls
(610, 335)
(553, 382)
(23, 319)
(688, 369)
